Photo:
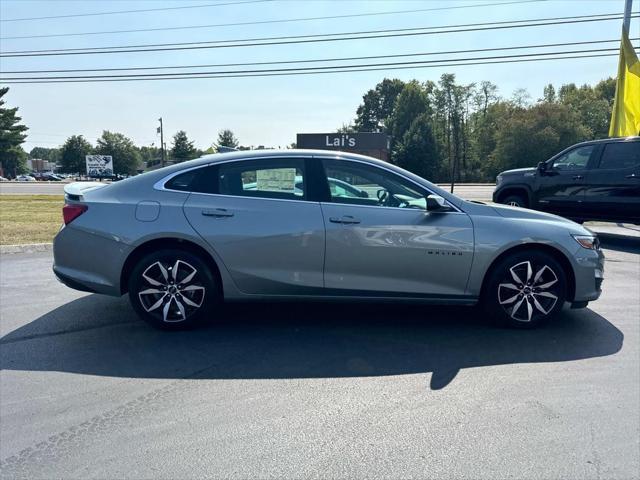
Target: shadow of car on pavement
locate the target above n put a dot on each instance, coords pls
(96, 335)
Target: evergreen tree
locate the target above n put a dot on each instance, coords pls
(12, 135)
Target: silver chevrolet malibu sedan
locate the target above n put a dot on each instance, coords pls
(319, 225)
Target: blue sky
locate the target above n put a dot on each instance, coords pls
(267, 111)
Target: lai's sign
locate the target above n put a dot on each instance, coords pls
(99, 165)
(343, 141)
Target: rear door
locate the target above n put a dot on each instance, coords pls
(268, 234)
(613, 188)
(561, 187)
(381, 240)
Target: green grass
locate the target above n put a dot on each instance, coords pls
(29, 218)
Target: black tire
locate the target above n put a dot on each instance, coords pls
(191, 297)
(515, 201)
(516, 304)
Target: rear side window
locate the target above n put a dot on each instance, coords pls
(620, 155)
(183, 182)
(269, 178)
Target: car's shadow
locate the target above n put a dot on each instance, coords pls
(98, 335)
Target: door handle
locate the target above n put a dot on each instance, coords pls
(633, 175)
(578, 177)
(217, 213)
(345, 220)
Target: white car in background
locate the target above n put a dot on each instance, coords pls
(25, 178)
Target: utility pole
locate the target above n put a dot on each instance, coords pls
(626, 23)
(161, 132)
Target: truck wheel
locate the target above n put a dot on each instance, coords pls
(515, 201)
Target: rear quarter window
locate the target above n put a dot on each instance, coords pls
(183, 182)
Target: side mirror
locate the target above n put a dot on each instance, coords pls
(542, 167)
(435, 203)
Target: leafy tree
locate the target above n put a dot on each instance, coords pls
(417, 151)
(126, 157)
(149, 154)
(412, 102)
(346, 128)
(183, 149)
(377, 105)
(593, 110)
(49, 154)
(521, 98)
(549, 95)
(12, 135)
(533, 135)
(226, 138)
(72, 154)
(606, 89)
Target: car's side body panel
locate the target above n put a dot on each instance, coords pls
(397, 250)
(269, 246)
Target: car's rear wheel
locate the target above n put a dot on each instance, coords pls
(173, 289)
(525, 289)
(515, 201)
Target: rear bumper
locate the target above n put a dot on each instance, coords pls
(87, 261)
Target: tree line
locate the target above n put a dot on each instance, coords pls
(127, 157)
(443, 130)
(438, 129)
(70, 157)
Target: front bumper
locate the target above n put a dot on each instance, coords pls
(589, 274)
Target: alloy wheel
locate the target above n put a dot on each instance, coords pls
(529, 292)
(174, 291)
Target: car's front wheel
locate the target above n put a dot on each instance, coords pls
(172, 289)
(525, 289)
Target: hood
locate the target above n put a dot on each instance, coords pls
(526, 214)
(517, 212)
(519, 171)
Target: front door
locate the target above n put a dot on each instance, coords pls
(561, 186)
(613, 188)
(259, 221)
(380, 239)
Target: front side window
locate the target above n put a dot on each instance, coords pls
(360, 184)
(576, 159)
(621, 155)
(270, 178)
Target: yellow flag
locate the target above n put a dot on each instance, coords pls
(625, 118)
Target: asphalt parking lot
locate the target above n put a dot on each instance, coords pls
(307, 390)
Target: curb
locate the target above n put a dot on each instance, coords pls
(27, 248)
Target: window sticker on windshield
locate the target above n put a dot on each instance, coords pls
(276, 179)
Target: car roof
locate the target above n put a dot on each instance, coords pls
(292, 152)
(609, 140)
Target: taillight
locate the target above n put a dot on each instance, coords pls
(71, 212)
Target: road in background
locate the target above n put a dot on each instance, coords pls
(468, 191)
(315, 390)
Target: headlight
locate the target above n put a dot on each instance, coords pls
(498, 179)
(589, 242)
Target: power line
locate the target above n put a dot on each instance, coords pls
(317, 60)
(208, 5)
(263, 22)
(330, 37)
(327, 69)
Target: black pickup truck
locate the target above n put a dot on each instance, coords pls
(596, 180)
